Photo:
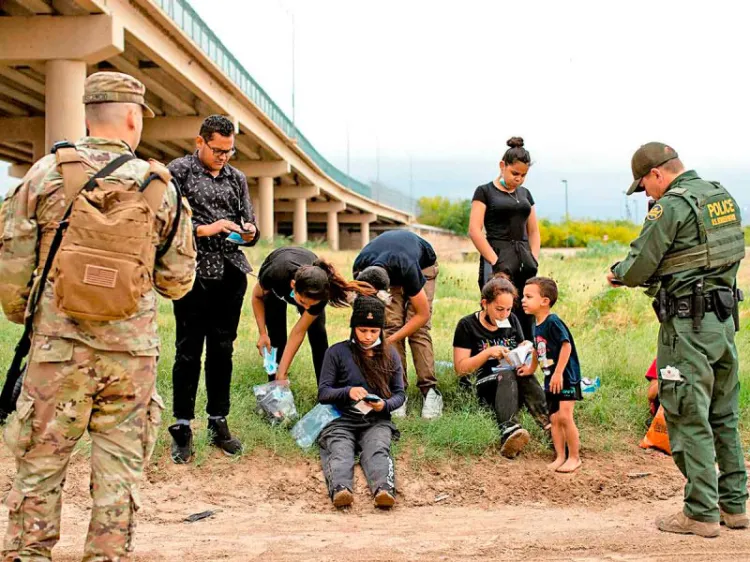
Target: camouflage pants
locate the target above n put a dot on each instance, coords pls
(69, 388)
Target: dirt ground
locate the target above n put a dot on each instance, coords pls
(274, 509)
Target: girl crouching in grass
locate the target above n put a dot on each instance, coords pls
(364, 379)
(481, 341)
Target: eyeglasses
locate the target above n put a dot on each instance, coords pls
(218, 152)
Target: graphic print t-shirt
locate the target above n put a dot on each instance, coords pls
(471, 334)
(549, 337)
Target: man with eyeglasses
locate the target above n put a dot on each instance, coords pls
(210, 313)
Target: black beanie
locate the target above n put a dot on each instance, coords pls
(376, 276)
(368, 312)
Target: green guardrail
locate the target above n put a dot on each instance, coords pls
(187, 19)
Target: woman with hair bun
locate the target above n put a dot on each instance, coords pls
(504, 209)
(297, 277)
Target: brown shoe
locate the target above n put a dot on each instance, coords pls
(514, 442)
(384, 499)
(735, 520)
(682, 524)
(343, 498)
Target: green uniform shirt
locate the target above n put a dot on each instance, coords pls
(672, 226)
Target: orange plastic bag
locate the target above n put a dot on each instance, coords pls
(656, 437)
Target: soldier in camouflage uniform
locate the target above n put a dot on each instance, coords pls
(86, 375)
(688, 255)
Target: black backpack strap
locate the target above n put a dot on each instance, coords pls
(176, 223)
(7, 398)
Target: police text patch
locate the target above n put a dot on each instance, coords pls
(722, 212)
(655, 213)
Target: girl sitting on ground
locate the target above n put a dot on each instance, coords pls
(481, 341)
(364, 379)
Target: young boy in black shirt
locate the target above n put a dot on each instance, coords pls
(557, 355)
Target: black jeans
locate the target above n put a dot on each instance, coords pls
(508, 393)
(276, 326)
(210, 312)
(343, 438)
(517, 261)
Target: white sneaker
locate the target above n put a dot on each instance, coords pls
(433, 405)
(400, 412)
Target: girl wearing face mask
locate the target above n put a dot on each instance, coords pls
(480, 342)
(503, 225)
(364, 379)
(297, 277)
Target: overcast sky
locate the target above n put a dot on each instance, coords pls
(584, 82)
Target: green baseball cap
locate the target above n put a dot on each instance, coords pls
(115, 87)
(646, 158)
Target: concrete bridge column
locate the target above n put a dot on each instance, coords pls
(365, 229)
(300, 221)
(64, 110)
(333, 230)
(265, 209)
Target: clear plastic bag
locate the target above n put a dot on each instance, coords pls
(590, 386)
(306, 430)
(275, 402)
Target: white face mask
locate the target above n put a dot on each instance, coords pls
(376, 344)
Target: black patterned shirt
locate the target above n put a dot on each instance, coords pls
(214, 198)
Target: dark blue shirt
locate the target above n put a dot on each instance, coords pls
(403, 255)
(549, 337)
(340, 373)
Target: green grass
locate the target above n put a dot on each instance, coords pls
(615, 331)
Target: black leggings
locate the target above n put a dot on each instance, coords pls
(276, 326)
(508, 393)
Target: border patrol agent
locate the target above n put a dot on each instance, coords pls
(687, 255)
(94, 345)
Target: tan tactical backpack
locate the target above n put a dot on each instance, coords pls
(106, 256)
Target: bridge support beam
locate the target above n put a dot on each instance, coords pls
(265, 208)
(299, 232)
(333, 230)
(365, 232)
(64, 109)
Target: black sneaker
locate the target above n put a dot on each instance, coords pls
(222, 438)
(514, 439)
(182, 443)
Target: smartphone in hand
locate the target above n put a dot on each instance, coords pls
(372, 398)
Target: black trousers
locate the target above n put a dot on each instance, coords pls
(517, 261)
(209, 313)
(276, 326)
(343, 438)
(509, 393)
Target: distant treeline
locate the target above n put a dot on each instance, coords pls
(454, 215)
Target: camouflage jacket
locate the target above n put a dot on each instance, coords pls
(37, 204)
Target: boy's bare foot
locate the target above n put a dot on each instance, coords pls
(557, 463)
(571, 465)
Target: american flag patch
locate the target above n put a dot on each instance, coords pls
(100, 276)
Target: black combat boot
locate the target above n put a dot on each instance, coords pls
(222, 438)
(182, 443)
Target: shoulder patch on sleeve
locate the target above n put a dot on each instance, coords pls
(655, 213)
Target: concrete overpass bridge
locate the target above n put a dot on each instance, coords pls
(48, 47)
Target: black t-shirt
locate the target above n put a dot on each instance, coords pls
(471, 334)
(277, 272)
(403, 254)
(506, 214)
(548, 339)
